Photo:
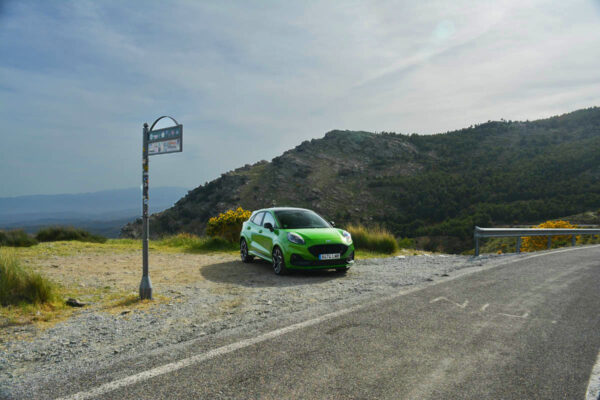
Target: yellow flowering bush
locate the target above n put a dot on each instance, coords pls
(228, 224)
(535, 243)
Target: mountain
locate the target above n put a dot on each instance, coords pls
(499, 172)
(103, 212)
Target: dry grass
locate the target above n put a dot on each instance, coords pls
(107, 277)
(375, 239)
(104, 275)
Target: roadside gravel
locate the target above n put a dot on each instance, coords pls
(232, 296)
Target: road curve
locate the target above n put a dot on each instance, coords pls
(526, 330)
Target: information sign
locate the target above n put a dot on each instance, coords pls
(166, 140)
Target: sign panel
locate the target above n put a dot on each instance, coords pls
(164, 146)
(166, 140)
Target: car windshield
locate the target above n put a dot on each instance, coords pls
(297, 219)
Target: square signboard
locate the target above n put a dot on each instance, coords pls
(166, 140)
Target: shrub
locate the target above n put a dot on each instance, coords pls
(197, 244)
(213, 244)
(228, 225)
(375, 239)
(535, 243)
(406, 243)
(16, 238)
(59, 233)
(20, 286)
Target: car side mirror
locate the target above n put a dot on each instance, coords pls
(332, 223)
(269, 226)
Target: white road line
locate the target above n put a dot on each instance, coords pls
(525, 315)
(186, 362)
(463, 305)
(593, 389)
(174, 366)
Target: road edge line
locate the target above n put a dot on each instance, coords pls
(593, 388)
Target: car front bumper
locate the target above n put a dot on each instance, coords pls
(305, 260)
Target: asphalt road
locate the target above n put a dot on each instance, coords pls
(526, 330)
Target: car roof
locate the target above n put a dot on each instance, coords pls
(282, 209)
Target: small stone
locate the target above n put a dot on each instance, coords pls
(74, 302)
(116, 351)
(54, 265)
(125, 312)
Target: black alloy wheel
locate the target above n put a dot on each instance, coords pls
(279, 262)
(247, 258)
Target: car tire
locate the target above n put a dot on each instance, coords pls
(247, 258)
(342, 270)
(279, 262)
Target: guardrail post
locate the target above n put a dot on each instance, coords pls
(573, 240)
(549, 242)
(476, 237)
(518, 244)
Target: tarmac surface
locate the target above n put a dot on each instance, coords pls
(529, 329)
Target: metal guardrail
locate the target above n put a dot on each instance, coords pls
(520, 232)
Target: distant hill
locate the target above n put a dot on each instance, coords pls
(102, 212)
(499, 172)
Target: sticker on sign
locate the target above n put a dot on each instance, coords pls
(166, 146)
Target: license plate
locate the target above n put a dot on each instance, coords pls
(329, 256)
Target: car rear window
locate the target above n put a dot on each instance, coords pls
(298, 219)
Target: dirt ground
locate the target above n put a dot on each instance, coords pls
(122, 270)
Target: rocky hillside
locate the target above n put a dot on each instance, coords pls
(416, 185)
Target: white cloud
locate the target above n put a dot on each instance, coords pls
(251, 79)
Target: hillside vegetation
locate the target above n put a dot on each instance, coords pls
(438, 186)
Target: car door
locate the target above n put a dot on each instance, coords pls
(253, 227)
(264, 237)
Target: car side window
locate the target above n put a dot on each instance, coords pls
(268, 218)
(258, 218)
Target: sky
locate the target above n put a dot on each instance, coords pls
(251, 79)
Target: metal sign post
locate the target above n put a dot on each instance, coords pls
(160, 141)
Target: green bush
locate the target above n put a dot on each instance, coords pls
(60, 233)
(16, 238)
(197, 244)
(406, 243)
(373, 239)
(213, 244)
(20, 286)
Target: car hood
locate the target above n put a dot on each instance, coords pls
(319, 235)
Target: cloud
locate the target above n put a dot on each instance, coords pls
(250, 80)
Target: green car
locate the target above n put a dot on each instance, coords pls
(295, 238)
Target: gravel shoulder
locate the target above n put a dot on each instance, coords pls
(203, 296)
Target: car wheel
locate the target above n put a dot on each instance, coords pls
(279, 262)
(342, 270)
(247, 258)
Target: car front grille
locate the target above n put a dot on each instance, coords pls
(297, 260)
(327, 249)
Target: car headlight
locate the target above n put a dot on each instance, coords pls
(295, 238)
(347, 237)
